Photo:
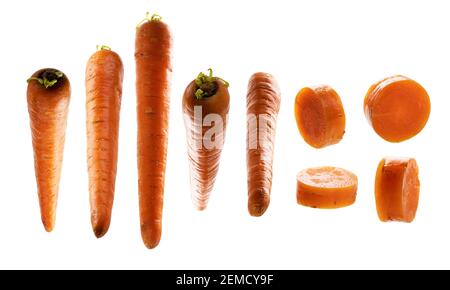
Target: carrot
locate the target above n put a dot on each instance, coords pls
(326, 187)
(263, 104)
(320, 116)
(206, 103)
(397, 188)
(153, 73)
(397, 108)
(48, 97)
(104, 76)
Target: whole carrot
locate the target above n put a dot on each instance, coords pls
(263, 104)
(104, 76)
(153, 73)
(48, 97)
(206, 103)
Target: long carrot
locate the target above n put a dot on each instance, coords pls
(206, 97)
(263, 104)
(48, 97)
(104, 76)
(153, 73)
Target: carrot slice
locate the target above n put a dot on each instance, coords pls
(397, 108)
(320, 116)
(326, 187)
(397, 188)
(48, 97)
(263, 104)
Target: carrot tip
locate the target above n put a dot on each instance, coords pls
(258, 203)
(48, 226)
(100, 231)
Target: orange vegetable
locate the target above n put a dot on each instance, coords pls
(397, 188)
(263, 104)
(326, 187)
(320, 116)
(104, 76)
(397, 108)
(209, 94)
(153, 56)
(48, 97)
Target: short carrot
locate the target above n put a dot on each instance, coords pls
(206, 103)
(153, 73)
(48, 97)
(263, 104)
(104, 76)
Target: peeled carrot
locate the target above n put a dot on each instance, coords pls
(153, 73)
(104, 76)
(320, 116)
(326, 187)
(206, 102)
(48, 97)
(263, 104)
(397, 108)
(397, 188)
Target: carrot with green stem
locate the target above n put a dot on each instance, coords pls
(206, 103)
(104, 77)
(48, 98)
(153, 56)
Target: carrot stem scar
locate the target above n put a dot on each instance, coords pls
(206, 85)
(47, 78)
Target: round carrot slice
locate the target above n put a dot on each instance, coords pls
(320, 116)
(397, 188)
(326, 187)
(397, 108)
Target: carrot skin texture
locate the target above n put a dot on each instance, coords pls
(263, 104)
(204, 161)
(153, 74)
(48, 109)
(104, 77)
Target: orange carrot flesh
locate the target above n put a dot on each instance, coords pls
(153, 73)
(397, 188)
(48, 97)
(263, 104)
(397, 108)
(320, 116)
(326, 187)
(204, 159)
(104, 77)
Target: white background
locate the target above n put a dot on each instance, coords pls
(346, 44)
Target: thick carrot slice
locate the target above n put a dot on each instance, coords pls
(326, 187)
(48, 97)
(206, 102)
(263, 104)
(153, 74)
(397, 188)
(397, 108)
(104, 76)
(320, 116)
